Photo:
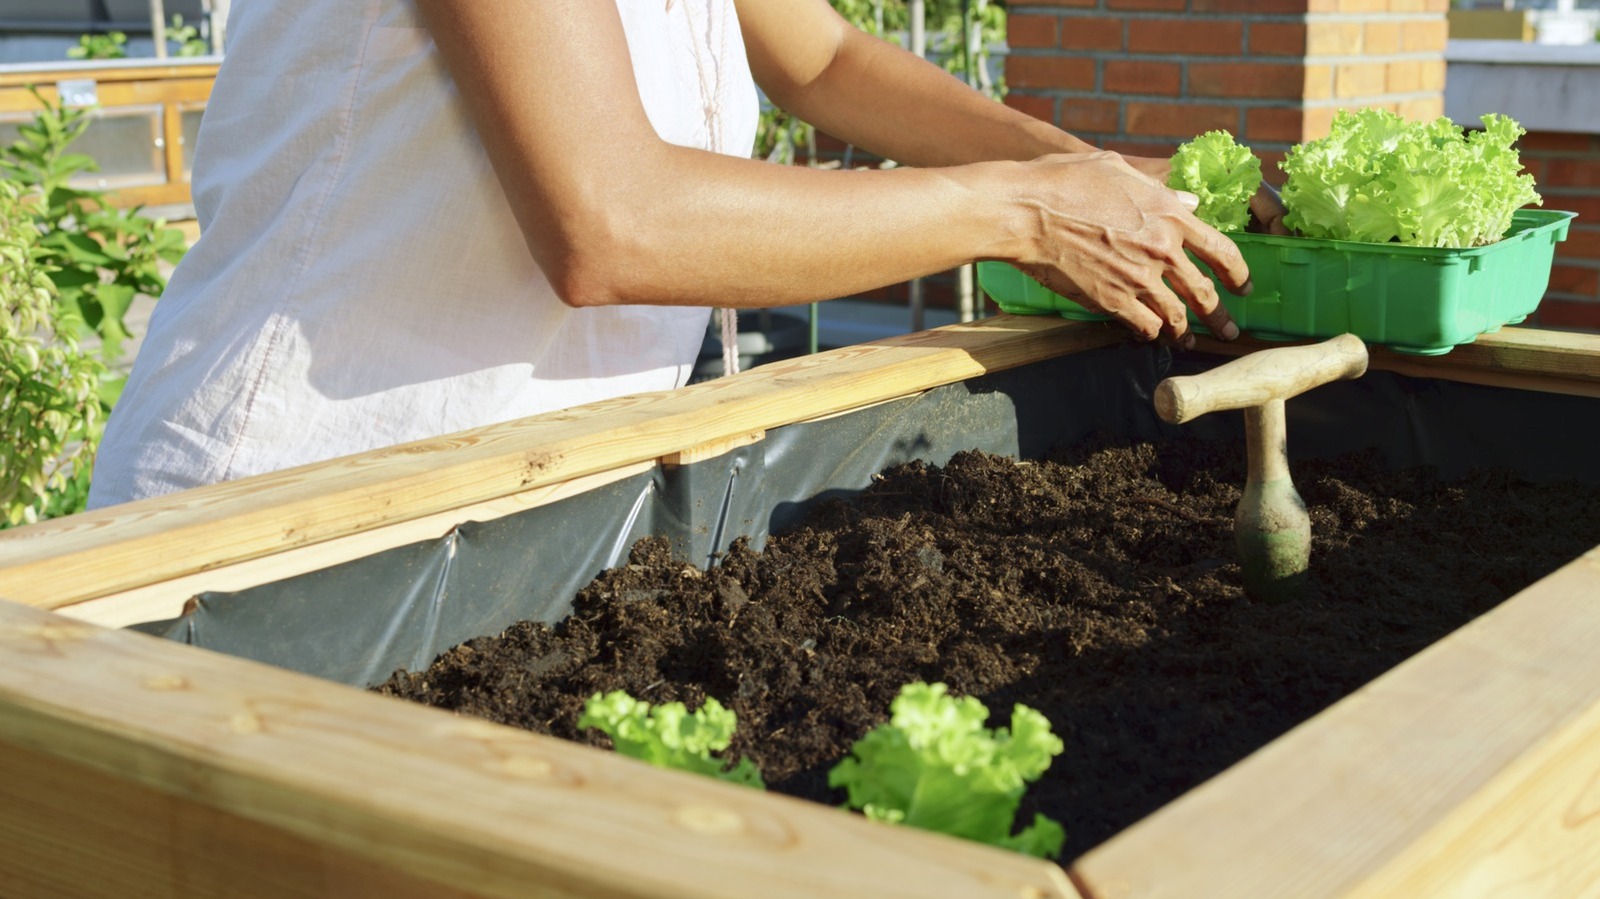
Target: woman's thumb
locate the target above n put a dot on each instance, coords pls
(1190, 201)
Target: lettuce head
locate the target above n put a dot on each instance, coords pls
(1223, 174)
(1378, 178)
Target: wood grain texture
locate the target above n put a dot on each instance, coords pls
(167, 599)
(1517, 358)
(1471, 770)
(64, 561)
(204, 772)
(1254, 379)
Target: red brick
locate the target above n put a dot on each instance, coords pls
(1091, 33)
(1089, 115)
(1277, 39)
(1186, 36)
(1581, 243)
(1244, 79)
(1050, 71)
(1559, 142)
(1556, 313)
(1023, 30)
(1572, 279)
(1274, 123)
(1261, 7)
(1180, 120)
(1147, 4)
(1269, 166)
(1575, 172)
(1151, 149)
(1043, 108)
(1587, 208)
(1082, 4)
(1139, 77)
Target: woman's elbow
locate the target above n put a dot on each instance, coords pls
(597, 266)
(582, 285)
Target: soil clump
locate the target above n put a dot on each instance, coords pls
(1097, 586)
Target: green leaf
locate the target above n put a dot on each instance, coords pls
(669, 736)
(1379, 178)
(1223, 174)
(935, 766)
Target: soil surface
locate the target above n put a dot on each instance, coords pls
(1096, 586)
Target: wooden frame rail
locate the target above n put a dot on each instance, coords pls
(131, 764)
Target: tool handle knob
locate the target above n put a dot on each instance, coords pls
(1273, 374)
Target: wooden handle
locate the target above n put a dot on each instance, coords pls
(1252, 380)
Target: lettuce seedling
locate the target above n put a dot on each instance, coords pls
(1223, 174)
(935, 766)
(670, 736)
(1379, 178)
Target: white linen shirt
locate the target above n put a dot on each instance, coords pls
(360, 280)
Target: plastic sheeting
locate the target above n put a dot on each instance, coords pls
(359, 621)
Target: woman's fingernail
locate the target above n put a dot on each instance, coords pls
(1229, 330)
(1188, 341)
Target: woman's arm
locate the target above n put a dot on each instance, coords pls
(810, 62)
(613, 214)
(866, 91)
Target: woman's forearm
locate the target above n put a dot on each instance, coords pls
(695, 228)
(887, 101)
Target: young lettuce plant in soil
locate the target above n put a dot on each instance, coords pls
(1097, 587)
(670, 736)
(933, 765)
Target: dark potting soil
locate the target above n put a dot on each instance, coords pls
(1096, 586)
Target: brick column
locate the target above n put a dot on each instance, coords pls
(1142, 76)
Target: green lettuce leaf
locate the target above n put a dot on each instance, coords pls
(669, 736)
(935, 766)
(1223, 174)
(1379, 178)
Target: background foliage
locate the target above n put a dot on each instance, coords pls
(73, 266)
(780, 135)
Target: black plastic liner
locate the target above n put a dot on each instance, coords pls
(359, 621)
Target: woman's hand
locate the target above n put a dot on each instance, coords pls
(1113, 238)
(1267, 212)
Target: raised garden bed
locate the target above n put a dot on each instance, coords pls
(1097, 586)
(139, 762)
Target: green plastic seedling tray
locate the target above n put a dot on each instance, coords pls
(1411, 299)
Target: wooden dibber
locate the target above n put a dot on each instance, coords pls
(1271, 529)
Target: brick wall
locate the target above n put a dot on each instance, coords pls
(1567, 169)
(1142, 76)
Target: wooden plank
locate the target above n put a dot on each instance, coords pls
(168, 599)
(325, 784)
(64, 561)
(713, 449)
(128, 92)
(1516, 358)
(1473, 769)
(109, 73)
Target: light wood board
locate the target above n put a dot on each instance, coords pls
(1471, 770)
(64, 561)
(205, 775)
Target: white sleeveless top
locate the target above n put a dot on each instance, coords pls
(360, 280)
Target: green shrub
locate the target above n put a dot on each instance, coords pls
(73, 265)
(50, 409)
(113, 45)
